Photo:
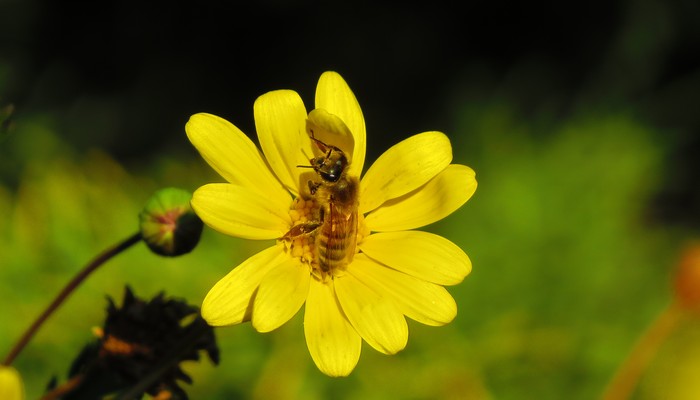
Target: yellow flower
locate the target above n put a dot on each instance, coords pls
(11, 387)
(392, 273)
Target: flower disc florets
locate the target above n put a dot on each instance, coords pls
(302, 247)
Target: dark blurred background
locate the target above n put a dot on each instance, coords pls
(126, 75)
(581, 120)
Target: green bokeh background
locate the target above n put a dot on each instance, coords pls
(582, 126)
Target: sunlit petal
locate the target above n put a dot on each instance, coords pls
(231, 153)
(331, 130)
(405, 167)
(237, 211)
(375, 317)
(421, 254)
(280, 295)
(432, 202)
(230, 301)
(333, 342)
(280, 119)
(334, 95)
(419, 300)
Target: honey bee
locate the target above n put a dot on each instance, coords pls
(335, 226)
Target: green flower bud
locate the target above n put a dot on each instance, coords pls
(168, 224)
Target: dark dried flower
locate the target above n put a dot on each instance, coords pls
(139, 350)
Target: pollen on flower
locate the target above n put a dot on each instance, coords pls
(301, 210)
(302, 246)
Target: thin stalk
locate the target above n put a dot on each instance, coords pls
(67, 290)
(627, 376)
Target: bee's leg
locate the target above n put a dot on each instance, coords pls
(304, 229)
(321, 146)
(324, 147)
(313, 187)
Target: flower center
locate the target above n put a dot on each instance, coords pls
(304, 240)
(302, 246)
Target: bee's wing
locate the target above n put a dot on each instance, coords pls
(331, 130)
(343, 230)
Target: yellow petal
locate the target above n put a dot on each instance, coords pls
(405, 167)
(432, 202)
(237, 211)
(419, 300)
(11, 387)
(333, 343)
(334, 96)
(230, 301)
(331, 130)
(421, 254)
(280, 119)
(231, 153)
(374, 317)
(280, 295)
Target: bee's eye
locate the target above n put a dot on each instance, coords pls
(333, 173)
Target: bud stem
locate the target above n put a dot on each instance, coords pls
(627, 376)
(67, 290)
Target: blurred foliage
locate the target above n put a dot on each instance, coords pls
(564, 260)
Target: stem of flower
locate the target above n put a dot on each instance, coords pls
(627, 376)
(67, 290)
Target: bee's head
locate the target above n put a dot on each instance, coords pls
(331, 166)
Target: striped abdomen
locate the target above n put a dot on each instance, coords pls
(336, 240)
